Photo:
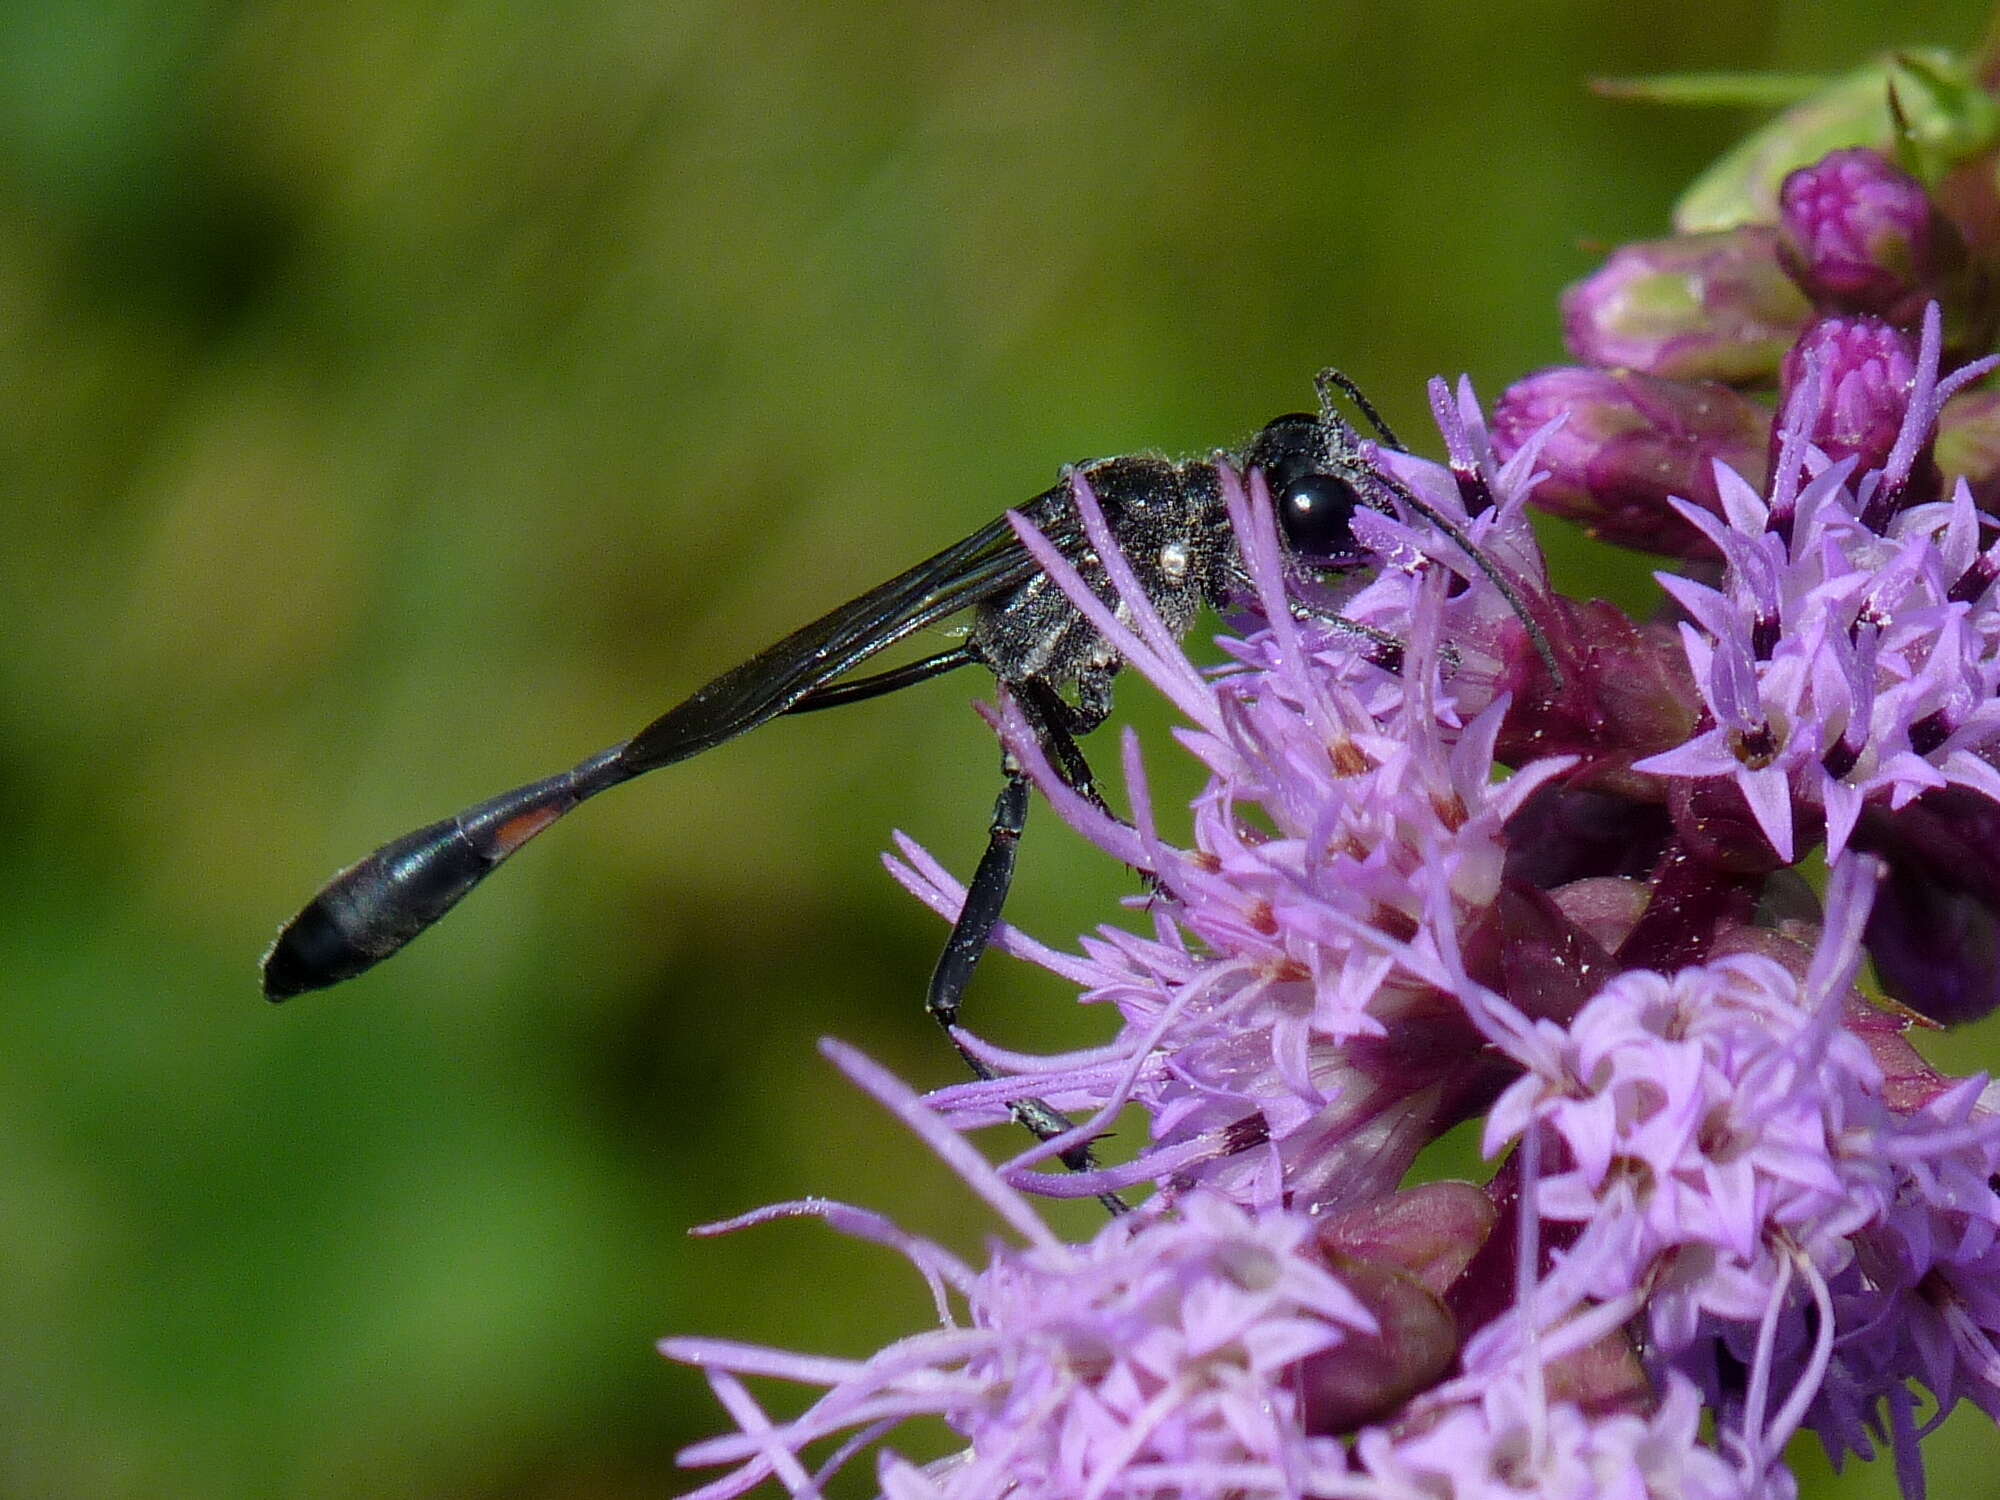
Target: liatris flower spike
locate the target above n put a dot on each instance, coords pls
(1555, 875)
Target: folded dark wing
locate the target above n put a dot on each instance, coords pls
(983, 566)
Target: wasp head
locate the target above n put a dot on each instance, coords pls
(1318, 480)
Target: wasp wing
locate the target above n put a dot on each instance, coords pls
(983, 566)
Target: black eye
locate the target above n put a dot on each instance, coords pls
(1317, 514)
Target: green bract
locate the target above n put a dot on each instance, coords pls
(1940, 117)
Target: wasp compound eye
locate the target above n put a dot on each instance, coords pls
(1317, 514)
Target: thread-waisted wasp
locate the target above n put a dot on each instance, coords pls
(1169, 520)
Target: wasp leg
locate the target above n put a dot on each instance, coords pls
(986, 897)
(1058, 723)
(856, 689)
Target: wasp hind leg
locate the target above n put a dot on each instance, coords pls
(1051, 719)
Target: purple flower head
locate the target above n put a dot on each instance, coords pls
(1628, 445)
(1171, 1352)
(1695, 307)
(1736, 1164)
(1851, 654)
(1716, 1113)
(1725, 1139)
(1860, 235)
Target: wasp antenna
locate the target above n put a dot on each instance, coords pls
(1331, 379)
(1516, 601)
(1384, 649)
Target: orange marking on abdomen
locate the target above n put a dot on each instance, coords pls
(517, 830)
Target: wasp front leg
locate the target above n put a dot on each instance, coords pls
(986, 898)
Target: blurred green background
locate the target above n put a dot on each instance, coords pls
(400, 400)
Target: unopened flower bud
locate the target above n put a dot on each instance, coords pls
(1628, 444)
(1934, 931)
(1366, 1377)
(1694, 307)
(1860, 235)
(1428, 1232)
(1867, 368)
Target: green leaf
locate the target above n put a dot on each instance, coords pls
(1754, 90)
(1939, 117)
